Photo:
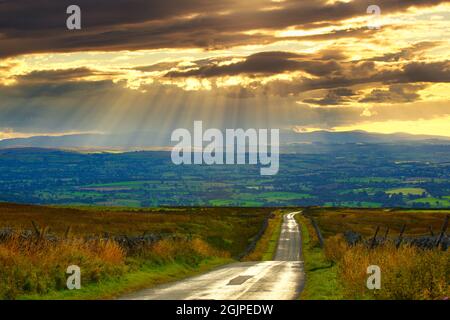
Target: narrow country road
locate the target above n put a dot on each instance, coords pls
(281, 279)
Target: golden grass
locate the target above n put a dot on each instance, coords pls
(227, 229)
(188, 251)
(406, 273)
(266, 246)
(29, 266)
(333, 221)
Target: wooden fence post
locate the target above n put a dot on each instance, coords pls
(374, 239)
(431, 230)
(400, 236)
(444, 228)
(319, 234)
(386, 235)
(68, 232)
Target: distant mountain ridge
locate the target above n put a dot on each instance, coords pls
(153, 139)
(89, 141)
(357, 136)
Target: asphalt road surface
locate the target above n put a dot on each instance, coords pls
(281, 279)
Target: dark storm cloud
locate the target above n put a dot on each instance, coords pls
(407, 53)
(413, 72)
(39, 25)
(263, 63)
(426, 72)
(259, 63)
(39, 89)
(326, 73)
(338, 76)
(47, 76)
(339, 96)
(161, 66)
(165, 66)
(397, 93)
(364, 74)
(31, 15)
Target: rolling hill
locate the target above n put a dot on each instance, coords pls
(143, 140)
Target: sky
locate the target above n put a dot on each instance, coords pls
(154, 66)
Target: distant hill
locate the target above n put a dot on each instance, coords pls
(155, 139)
(75, 140)
(90, 141)
(330, 137)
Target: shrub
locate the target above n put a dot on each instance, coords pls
(31, 266)
(406, 273)
(335, 248)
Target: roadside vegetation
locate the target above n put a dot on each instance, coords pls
(333, 221)
(29, 267)
(321, 274)
(407, 272)
(340, 269)
(182, 242)
(266, 246)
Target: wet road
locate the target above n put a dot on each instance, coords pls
(281, 279)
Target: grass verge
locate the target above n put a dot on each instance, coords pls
(266, 246)
(146, 277)
(321, 276)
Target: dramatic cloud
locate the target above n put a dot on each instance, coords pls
(338, 96)
(46, 76)
(395, 94)
(263, 63)
(426, 72)
(152, 65)
(39, 25)
(407, 53)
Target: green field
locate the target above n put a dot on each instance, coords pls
(354, 204)
(345, 177)
(433, 202)
(235, 202)
(406, 191)
(282, 196)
